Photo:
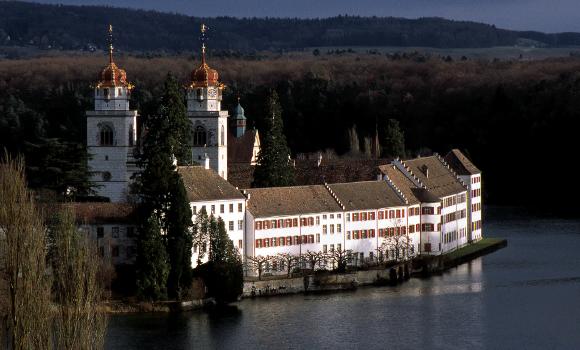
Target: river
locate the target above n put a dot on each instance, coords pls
(525, 296)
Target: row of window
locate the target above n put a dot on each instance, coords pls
(475, 207)
(283, 223)
(361, 234)
(222, 208)
(476, 193)
(231, 225)
(116, 251)
(116, 232)
(450, 201)
(286, 241)
(476, 179)
(476, 225)
(204, 246)
(325, 248)
(460, 214)
(453, 236)
(414, 211)
(331, 226)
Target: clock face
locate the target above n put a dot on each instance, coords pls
(212, 92)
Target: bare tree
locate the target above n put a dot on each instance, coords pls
(290, 261)
(23, 262)
(258, 263)
(397, 243)
(314, 258)
(79, 322)
(339, 258)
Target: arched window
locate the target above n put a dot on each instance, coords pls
(222, 137)
(106, 135)
(199, 136)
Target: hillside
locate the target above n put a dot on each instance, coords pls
(83, 28)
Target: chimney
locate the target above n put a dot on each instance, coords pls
(206, 162)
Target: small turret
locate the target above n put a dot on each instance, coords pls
(239, 120)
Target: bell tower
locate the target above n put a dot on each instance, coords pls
(111, 132)
(209, 122)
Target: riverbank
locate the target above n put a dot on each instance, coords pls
(326, 281)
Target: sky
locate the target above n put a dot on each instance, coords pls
(540, 15)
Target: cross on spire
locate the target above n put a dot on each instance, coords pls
(203, 39)
(110, 43)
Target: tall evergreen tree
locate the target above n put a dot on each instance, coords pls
(159, 187)
(393, 142)
(179, 239)
(152, 267)
(274, 168)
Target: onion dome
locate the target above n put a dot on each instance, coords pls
(112, 75)
(204, 76)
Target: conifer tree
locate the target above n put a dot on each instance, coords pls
(161, 191)
(179, 239)
(393, 144)
(152, 267)
(274, 168)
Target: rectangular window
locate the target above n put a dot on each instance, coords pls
(339, 247)
(240, 224)
(324, 217)
(331, 247)
(115, 251)
(324, 249)
(115, 232)
(347, 216)
(347, 234)
(213, 209)
(240, 243)
(231, 225)
(310, 221)
(318, 238)
(194, 209)
(240, 207)
(130, 231)
(338, 228)
(318, 220)
(428, 211)
(332, 228)
(324, 229)
(100, 232)
(332, 216)
(222, 208)
(295, 222)
(231, 207)
(338, 216)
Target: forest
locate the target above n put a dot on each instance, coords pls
(517, 120)
(59, 27)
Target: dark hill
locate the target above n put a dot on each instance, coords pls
(83, 27)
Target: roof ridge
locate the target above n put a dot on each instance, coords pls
(334, 196)
(450, 170)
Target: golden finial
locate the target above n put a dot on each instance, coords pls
(203, 39)
(110, 43)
